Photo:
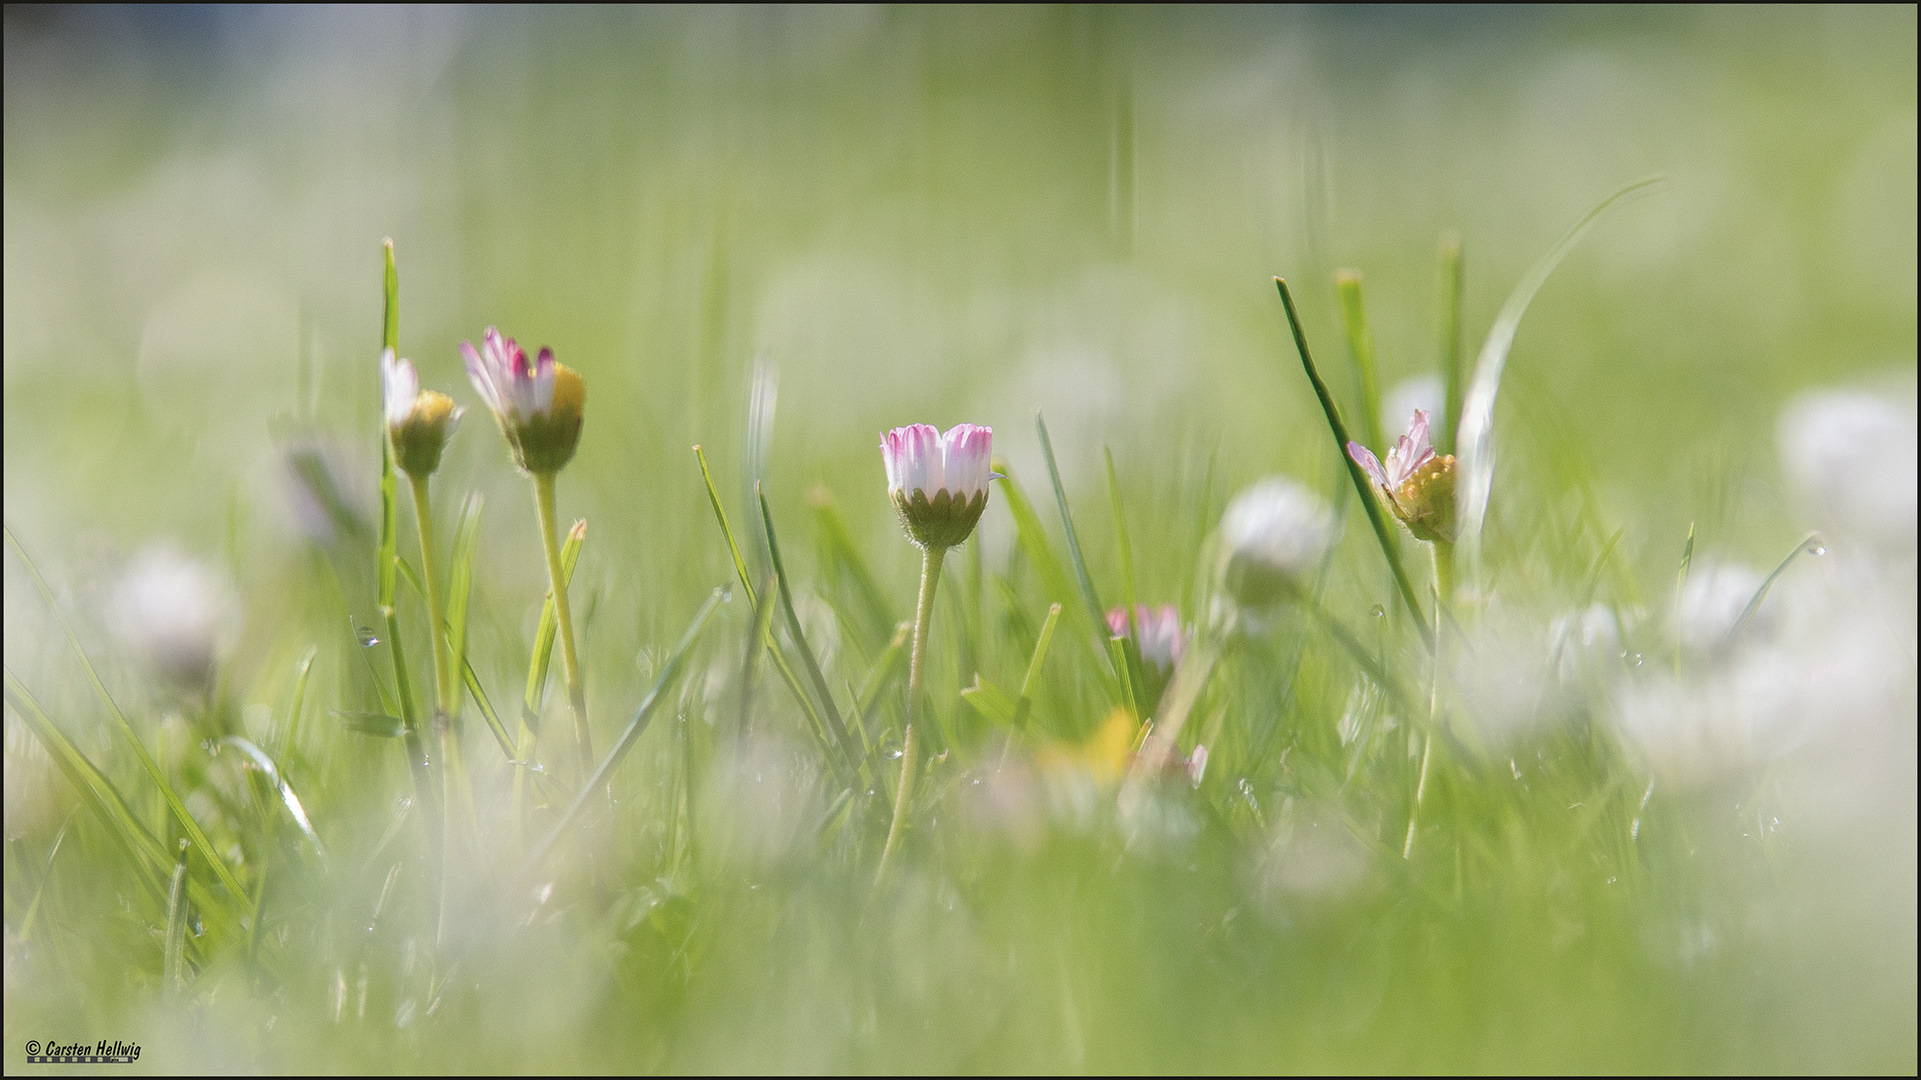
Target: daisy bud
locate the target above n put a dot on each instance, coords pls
(938, 483)
(1417, 484)
(1275, 534)
(539, 405)
(418, 421)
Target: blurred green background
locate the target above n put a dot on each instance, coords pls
(945, 215)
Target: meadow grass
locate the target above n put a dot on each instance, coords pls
(1430, 834)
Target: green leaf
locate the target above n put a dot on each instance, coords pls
(1025, 705)
(474, 690)
(720, 515)
(1033, 538)
(288, 739)
(187, 823)
(1390, 548)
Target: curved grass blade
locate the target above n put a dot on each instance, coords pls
(286, 743)
(668, 672)
(713, 496)
(474, 690)
(1811, 545)
(1094, 609)
(460, 584)
(1033, 538)
(173, 956)
(829, 711)
(1360, 349)
(1024, 705)
(839, 543)
(1362, 485)
(292, 801)
(1475, 436)
(142, 850)
(187, 823)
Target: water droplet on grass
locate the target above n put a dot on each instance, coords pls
(1817, 549)
(1378, 611)
(366, 637)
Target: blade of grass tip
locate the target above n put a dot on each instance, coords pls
(187, 823)
(285, 790)
(289, 739)
(173, 958)
(1448, 332)
(720, 515)
(142, 850)
(829, 710)
(1360, 350)
(543, 653)
(1362, 485)
(1024, 705)
(1475, 435)
(1094, 609)
(668, 672)
(1810, 545)
(1680, 583)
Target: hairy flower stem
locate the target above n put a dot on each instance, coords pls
(576, 694)
(923, 616)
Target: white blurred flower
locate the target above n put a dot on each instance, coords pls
(1711, 601)
(1581, 642)
(1422, 392)
(174, 612)
(1274, 535)
(1851, 455)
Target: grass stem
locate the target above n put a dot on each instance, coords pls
(557, 580)
(930, 565)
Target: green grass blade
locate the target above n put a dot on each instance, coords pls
(1123, 548)
(720, 515)
(390, 309)
(289, 738)
(1390, 547)
(460, 584)
(1360, 349)
(886, 666)
(1094, 609)
(1475, 435)
(642, 715)
(1033, 538)
(179, 808)
(472, 681)
(829, 711)
(1024, 705)
(1448, 332)
(549, 626)
(1811, 545)
(142, 850)
(173, 960)
(287, 797)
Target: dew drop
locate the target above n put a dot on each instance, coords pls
(1634, 659)
(1817, 549)
(366, 637)
(1378, 611)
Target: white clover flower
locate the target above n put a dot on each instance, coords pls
(539, 405)
(1274, 536)
(938, 483)
(174, 612)
(1711, 601)
(1851, 455)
